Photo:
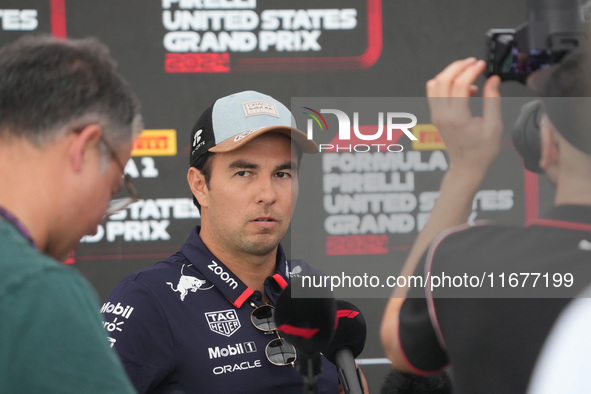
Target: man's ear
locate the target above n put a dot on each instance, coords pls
(83, 143)
(198, 186)
(550, 153)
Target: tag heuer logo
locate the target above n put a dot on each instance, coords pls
(224, 323)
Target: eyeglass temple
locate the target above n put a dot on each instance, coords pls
(129, 185)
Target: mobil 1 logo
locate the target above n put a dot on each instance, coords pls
(231, 350)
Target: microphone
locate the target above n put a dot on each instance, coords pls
(308, 323)
(347, 344)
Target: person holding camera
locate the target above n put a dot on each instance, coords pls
(493, 343)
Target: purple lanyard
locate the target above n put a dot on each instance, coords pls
(19, 226)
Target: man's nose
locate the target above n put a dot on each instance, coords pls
(266, 192)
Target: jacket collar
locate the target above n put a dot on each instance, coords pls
(224, 279)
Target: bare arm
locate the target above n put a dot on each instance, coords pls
(472, 145)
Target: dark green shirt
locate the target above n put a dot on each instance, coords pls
(51, 335)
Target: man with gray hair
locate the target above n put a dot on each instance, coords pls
(67, 123)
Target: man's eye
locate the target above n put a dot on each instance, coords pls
(243, 173)
(282, 174)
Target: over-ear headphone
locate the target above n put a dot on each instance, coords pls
(526, 135)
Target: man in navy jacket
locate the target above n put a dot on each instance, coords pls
(202, 320)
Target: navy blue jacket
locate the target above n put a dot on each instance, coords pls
(183, 326)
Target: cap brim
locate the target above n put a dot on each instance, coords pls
(297, 136)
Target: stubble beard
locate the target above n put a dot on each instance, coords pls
(251, 246)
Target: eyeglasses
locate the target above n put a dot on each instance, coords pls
(278, 351)
(119, 204)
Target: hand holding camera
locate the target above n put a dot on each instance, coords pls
(472, 142)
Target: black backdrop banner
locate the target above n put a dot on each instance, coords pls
(180, 55)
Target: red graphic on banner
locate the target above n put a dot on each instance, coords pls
(58, 18)
(197, 62)
(189, 51)
(362, 62)
(430, 137)
(356, 244)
